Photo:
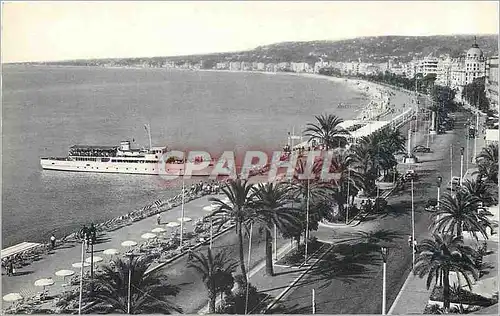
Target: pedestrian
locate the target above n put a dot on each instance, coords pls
(10, 267)
(53, 241)
(410, 241)
(158, 219)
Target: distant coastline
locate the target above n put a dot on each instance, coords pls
(372, 91)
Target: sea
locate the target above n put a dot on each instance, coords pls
(47, 109)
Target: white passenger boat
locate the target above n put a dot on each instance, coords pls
(121, 159)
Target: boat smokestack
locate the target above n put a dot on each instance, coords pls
(125, 145)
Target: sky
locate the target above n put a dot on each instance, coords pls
(43, 31)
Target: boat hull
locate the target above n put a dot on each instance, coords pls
(124, 168)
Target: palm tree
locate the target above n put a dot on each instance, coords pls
(342, 163)
(149, 292)
(239, 209)
(479, 189)
(488, 162)
(327, 131)
(212, 268)
(458, 212)
(489, 153)
(272, 209)
(438, 257)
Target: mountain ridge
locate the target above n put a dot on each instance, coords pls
(367, 49)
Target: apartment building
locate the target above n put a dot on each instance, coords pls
(491, 82)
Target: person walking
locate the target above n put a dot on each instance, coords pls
(158, 219)
(53, 241)
(10, 267)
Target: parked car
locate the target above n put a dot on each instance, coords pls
(455, 182)
(421, 149)
(410, 175)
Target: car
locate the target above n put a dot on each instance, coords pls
(455, 182)
(421, 149)
(410, 175)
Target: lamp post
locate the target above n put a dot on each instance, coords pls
(82, 236)
(439, 181)
(476, 133)
(307, 221)
(412, 224)
(461, 165)
(131, 256)
(415, 127)
(467, 141)
(384, 279)
(348, 183)
(451, 168)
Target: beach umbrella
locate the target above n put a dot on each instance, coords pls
(44, 282)
(111, 251)
(129, 243)
(65, 273)
(184, 219)
(12, 297)
(173, 224)
(158, 230)
(79, 264)
(209, 208)
(96, 259)
(148, 236)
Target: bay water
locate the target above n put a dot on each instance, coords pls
(46, 109)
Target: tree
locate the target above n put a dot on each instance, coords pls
(440, 256)
(213, 270)
(237, 303)
(479, 189)
(475, 94)
(327, 131)
(349, 182)
(149, 292)
(272, 209)
(460, 212)
(488, 162)
(239, 209)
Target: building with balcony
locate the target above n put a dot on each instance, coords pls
(467, 68)
(443, 77)
(428, 66)
(491, 82)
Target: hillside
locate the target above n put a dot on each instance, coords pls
(366, 49)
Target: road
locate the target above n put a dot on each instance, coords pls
(350, 279)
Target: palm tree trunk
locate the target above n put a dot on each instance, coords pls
(269, 253)
(211, 307)
(446, 289)
(459, 229)
(242, 258)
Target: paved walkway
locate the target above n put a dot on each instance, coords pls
(64, 256)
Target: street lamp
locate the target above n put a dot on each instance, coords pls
(384, 252)
(82, 234)
(461, 164)
(439, 181)
(131, 256)
(467, 135)
(412, 224)
(451, 168)
(415, 120)
(348, 182)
